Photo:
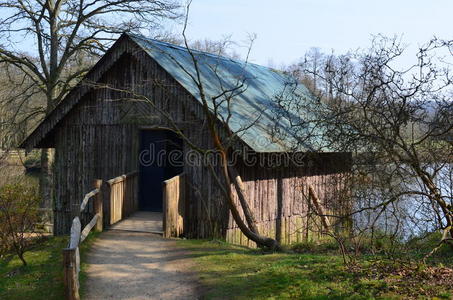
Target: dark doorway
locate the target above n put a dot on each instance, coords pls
(160, 158)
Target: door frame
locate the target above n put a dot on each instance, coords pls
(138, 132)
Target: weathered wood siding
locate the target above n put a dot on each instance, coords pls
(279, 197)
(99, 138)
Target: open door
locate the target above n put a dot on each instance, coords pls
(160, 158)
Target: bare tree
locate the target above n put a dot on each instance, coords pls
(217, 47)
(65, 36)
(217, 114)
(398, 121)
(223, 138)
(21, 105)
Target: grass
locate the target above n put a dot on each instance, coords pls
(42, 278)
(231, 272)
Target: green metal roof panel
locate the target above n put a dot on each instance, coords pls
(254, 109)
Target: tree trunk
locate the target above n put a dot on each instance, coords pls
(260, 240)
(22, 259)
(45, 184)
(239, 186)
(225, 186)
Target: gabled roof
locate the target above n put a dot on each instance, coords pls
(253, 110)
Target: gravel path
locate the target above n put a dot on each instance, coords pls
(138, 265)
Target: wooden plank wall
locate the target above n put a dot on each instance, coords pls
(293, 221)
(99, 138)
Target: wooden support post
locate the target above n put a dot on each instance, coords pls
(98, 205)
(166, 216)
(278, 223)
(105, 192)
(181, 204)
(71, 276)
(173, 193)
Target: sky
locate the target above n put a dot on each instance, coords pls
(286, 29)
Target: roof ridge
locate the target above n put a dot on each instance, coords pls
(217, 56)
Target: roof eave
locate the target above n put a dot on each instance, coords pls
(33, 140)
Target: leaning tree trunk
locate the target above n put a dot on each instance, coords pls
(225, 186)
(251, 232)
(261, 241)
(436, 197)
(240, 190)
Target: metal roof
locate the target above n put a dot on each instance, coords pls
(255, 113)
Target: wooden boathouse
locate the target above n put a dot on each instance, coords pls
(102, 131)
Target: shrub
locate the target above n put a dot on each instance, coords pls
(378, 243)
(321, 246)
(425, 244)
(19, 203)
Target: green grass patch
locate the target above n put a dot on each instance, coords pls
(42, 278)
(232, 272)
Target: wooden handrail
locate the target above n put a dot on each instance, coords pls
(88, 228)
(173, 194)
(121, 177)
(71, 256)
(87, 198)
(122, 190)
(176, 177)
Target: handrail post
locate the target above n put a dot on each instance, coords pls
(71, 276)
(71, 256)
(98, 205)
(165, 220)
(173, 194)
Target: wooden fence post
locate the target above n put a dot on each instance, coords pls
(71, 276)
(98, 205)
(278, 221)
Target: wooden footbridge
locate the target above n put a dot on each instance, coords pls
(115, 207)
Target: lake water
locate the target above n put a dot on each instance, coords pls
(409, 216)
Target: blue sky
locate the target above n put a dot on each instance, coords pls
(286, 29)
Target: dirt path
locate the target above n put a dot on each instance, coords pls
(138, 265)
